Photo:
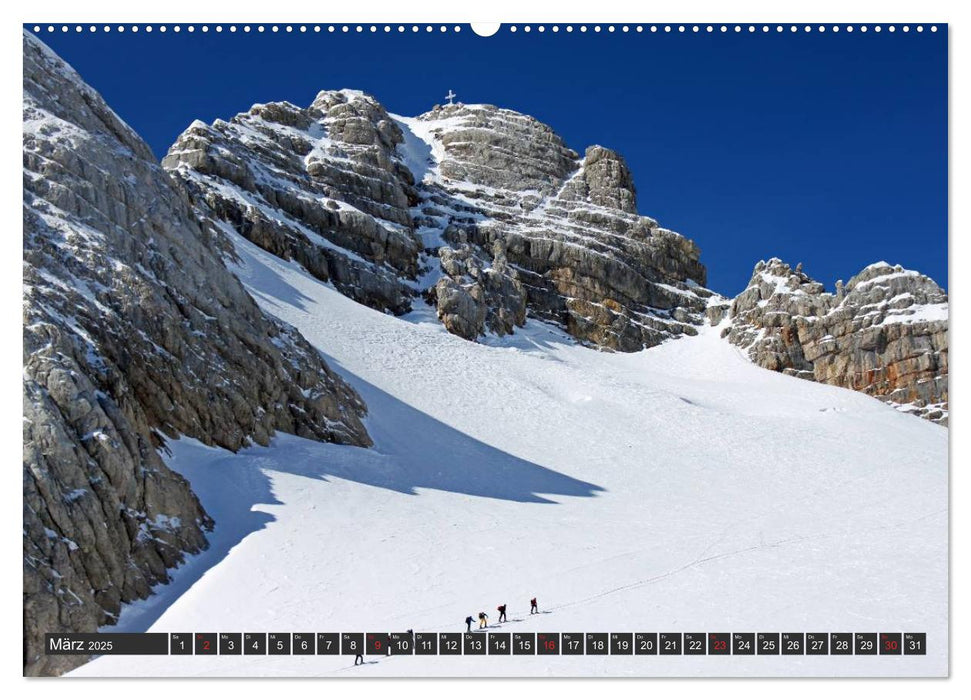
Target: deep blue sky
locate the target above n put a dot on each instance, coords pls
(830, 149)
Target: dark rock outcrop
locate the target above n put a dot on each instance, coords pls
(134, 330)
(884, 333)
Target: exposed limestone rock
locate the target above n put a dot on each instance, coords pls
(883, 333)
(367, 199)
(133, 330)
(318, 185)
(472, 299)
(568, 226)
(460, 307)
(608, 181)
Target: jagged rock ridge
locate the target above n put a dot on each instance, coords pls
(320, 185)
(562, 228)
(483, 210)
(133, 330)
(884, 333)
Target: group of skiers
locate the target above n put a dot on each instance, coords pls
(484, 619)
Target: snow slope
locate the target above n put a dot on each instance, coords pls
(680, 488)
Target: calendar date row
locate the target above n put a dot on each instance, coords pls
(492, 643)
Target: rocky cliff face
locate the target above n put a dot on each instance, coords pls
(320, 185)
(483, 211)
(560, 230)
(133, 330)
(884, 333)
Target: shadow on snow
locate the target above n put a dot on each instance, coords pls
(412, 451)
(416, 451)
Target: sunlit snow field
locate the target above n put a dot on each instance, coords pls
(676, 489)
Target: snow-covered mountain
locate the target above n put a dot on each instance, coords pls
(134, 332)
(271, 332)
(483, 210)
(489, 216)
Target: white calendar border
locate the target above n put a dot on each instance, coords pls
(438, 11)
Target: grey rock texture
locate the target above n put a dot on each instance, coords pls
(884, 333)
(320, 186)
(471, 299)
(567, 227)
(134, 330)
(368, 199)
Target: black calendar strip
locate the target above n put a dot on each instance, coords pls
(488, 643)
